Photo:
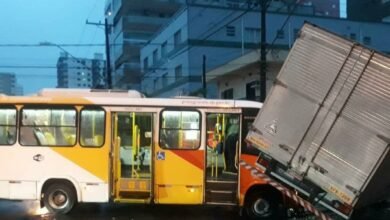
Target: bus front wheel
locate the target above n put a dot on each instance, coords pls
(59, 198)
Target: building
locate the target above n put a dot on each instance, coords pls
(373, 10)
(328, 8)
(172, 61)
(75, 72)
(133, 23)
(8, 84)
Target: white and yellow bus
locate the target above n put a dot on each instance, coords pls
(68, 146)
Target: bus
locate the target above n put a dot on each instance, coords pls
(68, 146)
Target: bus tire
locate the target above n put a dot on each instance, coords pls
(59, 198)
(260, 205)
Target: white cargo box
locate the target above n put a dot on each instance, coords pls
(327, 118)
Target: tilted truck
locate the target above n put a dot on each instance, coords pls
(324, 129)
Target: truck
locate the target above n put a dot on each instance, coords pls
(324, 129)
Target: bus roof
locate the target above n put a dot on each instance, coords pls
(120, 98)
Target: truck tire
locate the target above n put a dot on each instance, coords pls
(59, 198)
(261, 206)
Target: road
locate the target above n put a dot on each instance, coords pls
(30, 211)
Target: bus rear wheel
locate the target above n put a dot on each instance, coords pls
(261, 206)
(59, 198)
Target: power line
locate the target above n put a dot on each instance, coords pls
(81, 68)
(216, 30)
(290, 13)
(62, 45)
(81, 45)
(41, 75)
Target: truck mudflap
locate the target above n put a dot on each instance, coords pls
(284, 190)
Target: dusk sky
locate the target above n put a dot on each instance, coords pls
(55, 21)
(58, 22)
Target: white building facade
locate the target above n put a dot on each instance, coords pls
(75, 72)
(172, 62)
(9, 85)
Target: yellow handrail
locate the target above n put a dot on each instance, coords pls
(115, 155)
(134, 150)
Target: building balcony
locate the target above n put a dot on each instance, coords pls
(127, 76)
(142, 24)
(124, 7)
(126, 50)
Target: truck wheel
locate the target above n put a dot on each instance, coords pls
(261, 206)
(59, 198)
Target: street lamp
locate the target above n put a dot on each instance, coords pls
(47, 43)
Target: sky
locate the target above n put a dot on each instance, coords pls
(55, 21)
(343, 8)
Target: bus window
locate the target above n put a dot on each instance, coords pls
(7, 126)
(180, 129)
(48, 127)
(249, 116)
(92, 127)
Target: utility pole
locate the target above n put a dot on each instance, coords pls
(108, 60)
(204, 77)
(263, 52)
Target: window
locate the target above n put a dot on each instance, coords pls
(155, 57)
(178, 72)
(248, 116)
(230, 31)
(135, 132)
(92, 122)
(251, 90)
(280, 34)
(252, 35)
(180, 129)
(164, 80)
(164, 49)
(146, 64)
(48, 126)
(367, 40)
(227, 94)
(155, 84)
(223, 132)
(296, 33)
(177, 38)
(352, 36)
(7, 126)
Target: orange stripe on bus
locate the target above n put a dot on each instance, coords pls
(194, 157)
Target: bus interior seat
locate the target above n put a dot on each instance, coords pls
(98, 140)
(70, 139)
(40, 137)
(50, 140)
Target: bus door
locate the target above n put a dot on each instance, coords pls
(131, 162)
(179, 158)
(223, 134)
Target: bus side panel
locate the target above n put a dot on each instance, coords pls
(179, 176)
(247, 180)
(4, 189)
